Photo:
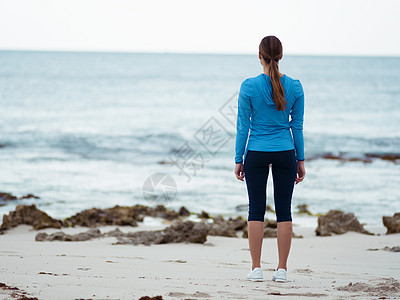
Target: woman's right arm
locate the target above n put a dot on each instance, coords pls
(243, 121)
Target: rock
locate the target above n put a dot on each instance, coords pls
(393, 157)
(61, 236)
(122, 215)
(242, 207)
(183, 211)
(331, 156)
(188, 232)
(7, 197)
(392, 224)
(151, 298)
(41, 236)
(27, 196)
(29, 215)
(10, 197)
(115, 233)
(218, 219)
(270, 209)
(365, 158)
(204, 215)
(393, 249)
(238, 223)
(303, 209)
(337, 222)
(270, 223)
(161, 211)
(222, 227)
(94, 217)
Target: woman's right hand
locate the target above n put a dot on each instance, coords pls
(239, 171)
(301, 171)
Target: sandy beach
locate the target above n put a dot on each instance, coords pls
(137, 138)
(351, 265)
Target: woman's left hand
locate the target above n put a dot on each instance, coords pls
(239, 171)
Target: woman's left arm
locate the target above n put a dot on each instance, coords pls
(296, 124)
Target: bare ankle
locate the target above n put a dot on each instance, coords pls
(255, 266)
(282, 267)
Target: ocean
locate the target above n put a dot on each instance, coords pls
(85, 130)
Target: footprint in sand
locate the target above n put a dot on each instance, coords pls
(303, 271)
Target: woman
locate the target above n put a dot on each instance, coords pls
(271, 107)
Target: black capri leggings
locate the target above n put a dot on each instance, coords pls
(284, 170)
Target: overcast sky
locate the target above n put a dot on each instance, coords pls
(323, 27)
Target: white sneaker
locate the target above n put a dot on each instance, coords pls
(279, 275)
(255, 275)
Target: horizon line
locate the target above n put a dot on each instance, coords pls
(190, 53)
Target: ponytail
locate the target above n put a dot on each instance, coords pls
(278, 94)
(271, 51)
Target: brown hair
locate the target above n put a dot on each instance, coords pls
(271, 51)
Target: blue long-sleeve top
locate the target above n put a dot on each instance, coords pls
(270, 129)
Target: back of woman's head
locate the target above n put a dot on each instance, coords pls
(271, 50)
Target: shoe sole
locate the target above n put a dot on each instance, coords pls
(280, 280)
(256, 279)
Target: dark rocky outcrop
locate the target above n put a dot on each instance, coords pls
(242, 207)
(222, 227)
(183, 212)
(10, 197)
(61, 236)
(392, 249)
(392, 224)
(121, 215)
(204, 215)
(365, 158)
(180, 232)
(303, 209)
(28, 196)
(393, 157)
(7, 197)
(94, 217)
(337, 222)
(151, 298)
(29, 215)
(131, 216)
